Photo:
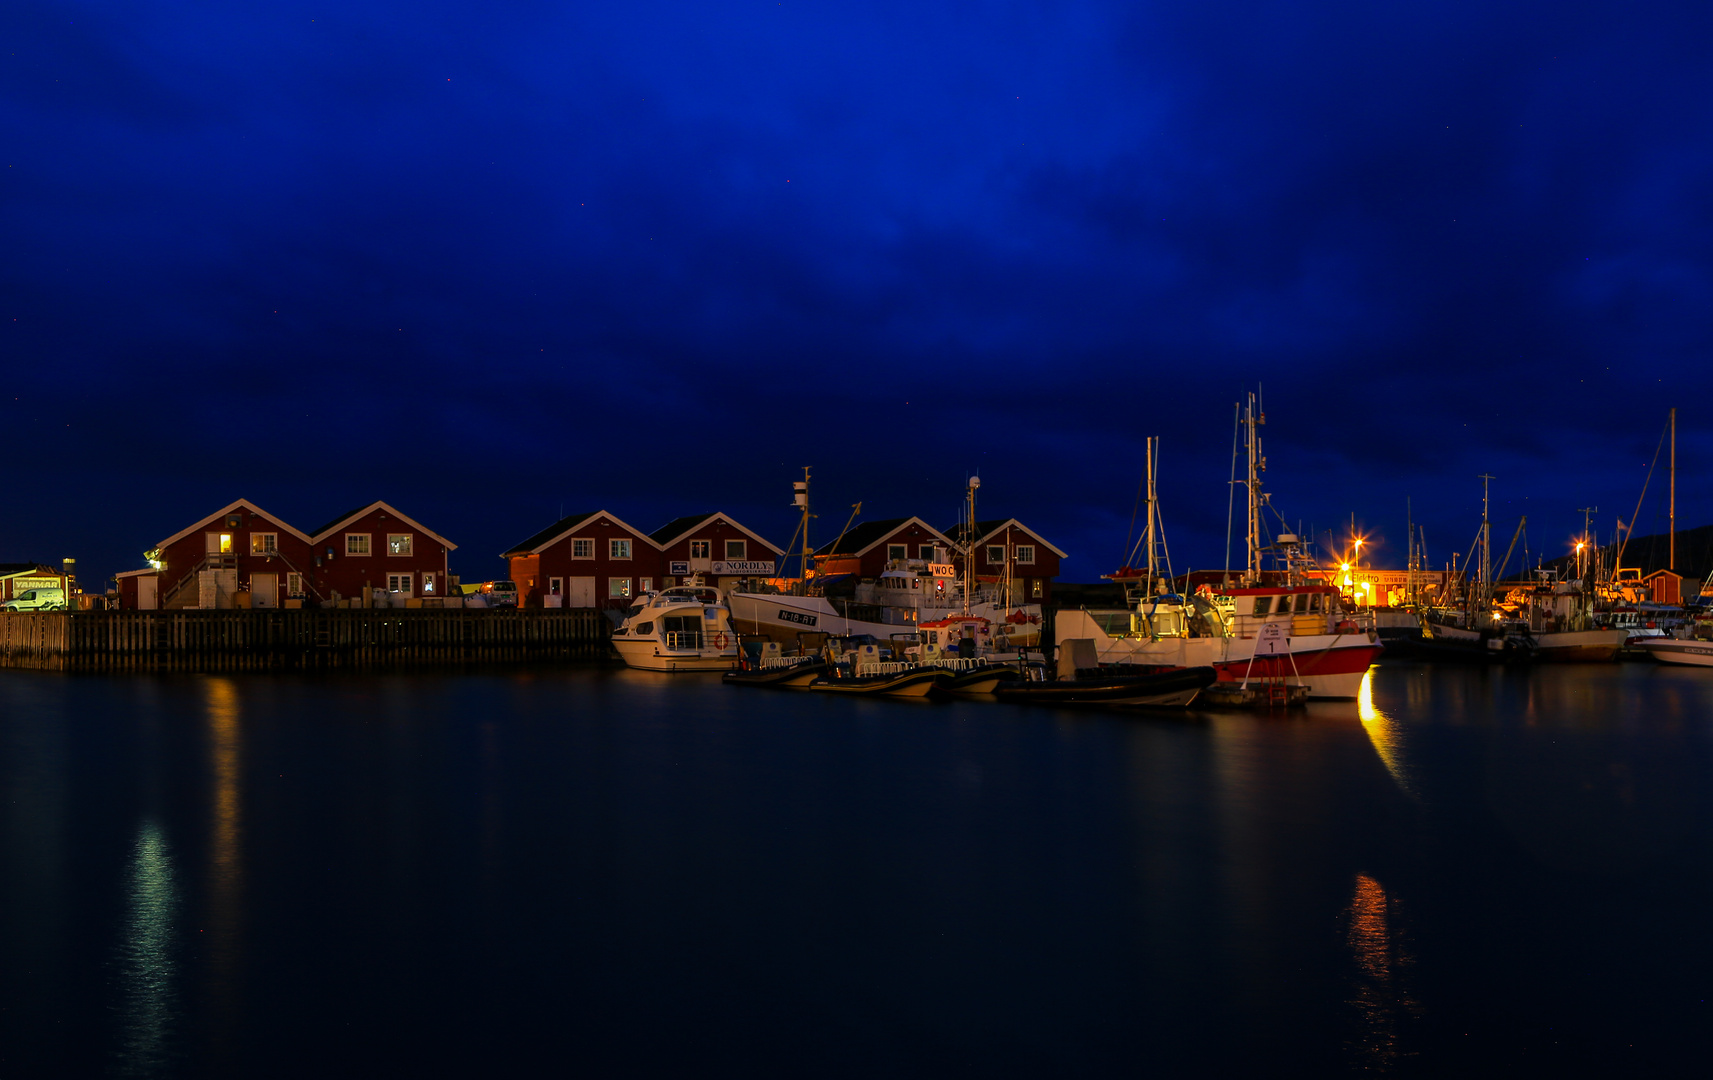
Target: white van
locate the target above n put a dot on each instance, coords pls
(37, 600)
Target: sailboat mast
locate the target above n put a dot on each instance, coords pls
(1673, 512)
(1252, 575)
(1486, 548)
(1152, 567)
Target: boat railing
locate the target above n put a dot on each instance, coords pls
(683, 639)
(959, 663)
(769, 663)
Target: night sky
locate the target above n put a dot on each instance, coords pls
(496, 263)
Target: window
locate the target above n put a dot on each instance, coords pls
(894, 551)
(399, 583)
(356, 543)
(219, 543)
(927, 551)
(995, 554)
(618, 588)
(644, 584)
(1026, 553)
(1035, 588)
(398, 543)
(427, 583)
(618, 549)
(294, 584)
(737, 550)
(264, 543)
(699, 549)
(1263, 604)
(553, 585)
(582, 548)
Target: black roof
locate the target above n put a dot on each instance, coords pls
(860, 537)
(677, 527)
(10, 568)
(562, 525)
(347, 514)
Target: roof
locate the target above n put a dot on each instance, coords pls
(247, 504)
(678, 528)
(859, 540)
(985, 530)
(13, 568)
(380, 505)
(562, 528)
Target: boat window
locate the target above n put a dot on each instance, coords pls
(1314, 604)
(1263, 604)
(1302, 602)
(645, 628)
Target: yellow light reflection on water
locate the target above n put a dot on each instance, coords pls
(1385, 733)
(226, 853)
(1384, 961)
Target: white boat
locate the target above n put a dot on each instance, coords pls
(1690, 651)
(684, 628)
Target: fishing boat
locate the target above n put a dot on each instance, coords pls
(1286, 623)
(685, 628)
(1696, 652)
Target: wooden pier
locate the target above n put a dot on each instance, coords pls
(296, 639)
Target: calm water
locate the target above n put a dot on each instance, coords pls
(616, 873)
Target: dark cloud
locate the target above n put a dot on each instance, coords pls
(656, 257)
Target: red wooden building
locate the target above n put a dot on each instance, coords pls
(585, 560)
(1007, 549)
(715, 546)
(376, 547)
(871, 547)
(235, 556)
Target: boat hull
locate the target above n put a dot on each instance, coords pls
(1675, 651)
(981, 681)
(917, 682)
(645, 654)
(1580, 646)
(1166, 689)
(797, 677)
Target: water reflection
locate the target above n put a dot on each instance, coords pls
(1384, 966)
(146, 969)
(1386, 734)
(226, 855)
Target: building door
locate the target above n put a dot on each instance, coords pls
(148, 592)
(581, 592)
(265, 590)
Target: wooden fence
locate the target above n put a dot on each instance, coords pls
(308, 638)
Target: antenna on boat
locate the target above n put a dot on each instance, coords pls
(1486, 579)
(969, 543)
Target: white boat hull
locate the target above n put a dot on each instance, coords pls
(781, 618)
(646, 654)
(1674, 651)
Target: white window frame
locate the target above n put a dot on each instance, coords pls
(1025, 555)
(294, 583)
(272, 547)
(742, 547)
(927, 551)
(395, 577)
(996, 554)
(582, 547)
(354, 541)
(428, 584)
(644, 584)
(895, 552)
(615, 545)
(212, 544)
(701, 549)
(394, 538)
(618, 588)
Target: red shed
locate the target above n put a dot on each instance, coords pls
(1008, 549)
(376, 547)
(240, 555)
(591, 560)
(714, 545)
(872, 546)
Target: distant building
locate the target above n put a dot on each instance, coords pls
(586, 560)
(715, 546)
(377, 547)
(237, 555)
(1013, 556)
(21, 577)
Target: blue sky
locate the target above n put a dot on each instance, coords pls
(494, 264)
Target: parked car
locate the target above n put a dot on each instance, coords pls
(37, 600)
(500, 593)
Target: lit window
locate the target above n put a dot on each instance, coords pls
(582, 548)
(619, 549)
(737, 550)
(356, 543)
(1025, 553)
(427, 583)
(264, 543)
(294, 584)
(645, 584)
(700, 549)
(398, 543)
(1035, 588)
(618, 587)
(995, 553)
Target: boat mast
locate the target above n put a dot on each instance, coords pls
(1148, 585)
(969, 543)
(1410, 559)
(1252, 420)
(1486, 581)
(1673, 512)
(800, 496)
(1231, 493)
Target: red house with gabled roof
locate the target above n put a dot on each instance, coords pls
(717, 547)
(240, 549)
(588, 560)
(376, 547)
(869, 548)
(1008, 549)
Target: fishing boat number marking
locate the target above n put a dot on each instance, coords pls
(796, 617)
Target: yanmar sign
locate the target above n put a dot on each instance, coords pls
(748, 567)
